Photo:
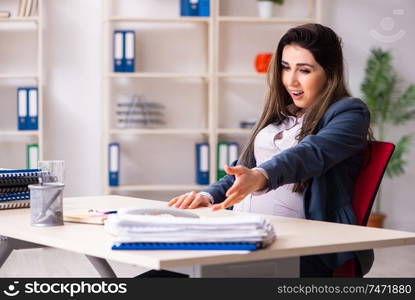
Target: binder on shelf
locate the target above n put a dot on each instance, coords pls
(27, 108)
(194, 8)
(227, 153)
(32, 95)
(202, 163)
(14, 187)
(129, 49)
(22, 109)
(32, 156)
(189, 8)
(233, 152)
(188, 246)
(114, 164)
(118, 51)
(204, 8)
(222, 159)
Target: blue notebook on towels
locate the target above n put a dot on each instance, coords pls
(188, 246)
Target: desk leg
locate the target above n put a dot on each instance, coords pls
(102, 266)
(7, 245)
(275, 268)
(5, 250)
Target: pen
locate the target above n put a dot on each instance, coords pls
(102, 212)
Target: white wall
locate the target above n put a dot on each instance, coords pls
(73, 64)
(354, 21)
(73, 91)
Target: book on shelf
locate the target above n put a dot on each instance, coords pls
(27, 8)
(4, 14)
(14, 187)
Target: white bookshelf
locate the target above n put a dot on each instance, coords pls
(158, 187)
(212, 78)
(17, 76)
(161, 20)
(259, 20)
(19, 133)
(16, 25)
(164, 131)
(21, 19)
(157, 75)
(241, 75)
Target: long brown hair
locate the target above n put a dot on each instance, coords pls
(325, 46)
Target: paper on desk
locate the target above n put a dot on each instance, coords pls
(144, 228)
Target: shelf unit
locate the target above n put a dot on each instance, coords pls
(9, 25)
(213, 132)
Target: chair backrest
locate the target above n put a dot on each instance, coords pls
(369, 178)
(376, 160)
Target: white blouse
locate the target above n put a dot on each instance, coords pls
(282, 201)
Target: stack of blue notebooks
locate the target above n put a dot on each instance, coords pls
(14, 187)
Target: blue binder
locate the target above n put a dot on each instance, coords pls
(22, 109)
(33, 107)
(189, 8)
(202, 163)
(118, 51)
(113, 164)
(204, 8)
(188, 246)
(129, 51)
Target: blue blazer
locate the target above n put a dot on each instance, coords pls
(329, 162)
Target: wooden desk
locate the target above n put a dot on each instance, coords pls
(295, 237)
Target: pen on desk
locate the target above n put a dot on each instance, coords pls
(102, 212)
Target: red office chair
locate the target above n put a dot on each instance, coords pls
(377, 157)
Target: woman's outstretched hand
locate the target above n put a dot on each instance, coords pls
(190, 200)
(246, 182)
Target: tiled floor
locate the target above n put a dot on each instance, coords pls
(389, 262)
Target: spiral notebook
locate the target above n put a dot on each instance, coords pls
(189, 246)
(14, 187)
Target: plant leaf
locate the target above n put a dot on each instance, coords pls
(404, 108)
(378, 84)
(396, 166)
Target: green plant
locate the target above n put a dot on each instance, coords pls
(389, 104)
(280, 2)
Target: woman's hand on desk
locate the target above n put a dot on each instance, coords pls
(190, 200)
(246, 182)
